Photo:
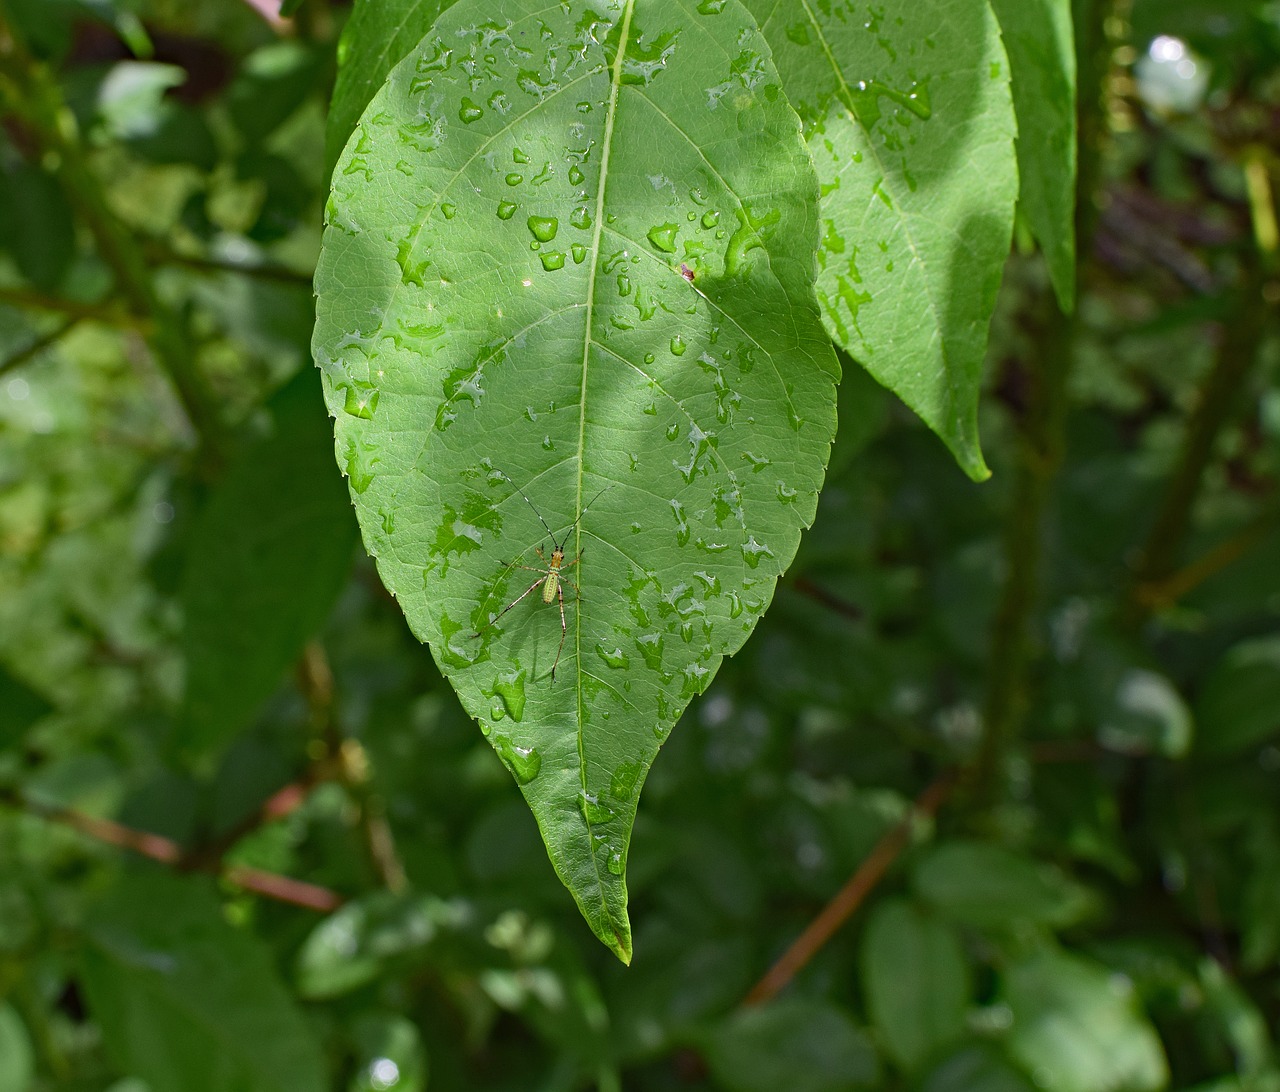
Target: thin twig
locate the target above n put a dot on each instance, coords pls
(828, 599)
(166, 851)
(263, 271)
(109, 313)
(850, 896)
(27, 352)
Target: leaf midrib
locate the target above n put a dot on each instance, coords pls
(606, 148)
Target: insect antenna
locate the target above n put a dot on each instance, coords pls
(550, 533)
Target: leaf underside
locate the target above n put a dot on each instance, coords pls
(570, 254)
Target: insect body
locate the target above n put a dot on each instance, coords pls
(552, 576)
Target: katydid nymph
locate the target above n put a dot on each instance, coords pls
(551, 577)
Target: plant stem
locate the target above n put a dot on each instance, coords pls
(1238, 351)
(1041, 441)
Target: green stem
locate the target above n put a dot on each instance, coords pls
(21, 356)
(32, 94)
(1041, 432)
(1238, 352)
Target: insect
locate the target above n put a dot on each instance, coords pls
(552, 576)
(686, 273)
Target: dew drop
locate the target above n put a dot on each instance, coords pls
(544, 228)
(470, 112)
(615, 658)
(506, 209)
(579, 253)
(664, 237)
(575, 175)
(710, 219)
(553, 259)
(450, 211)
(678, 346)
(514, 179)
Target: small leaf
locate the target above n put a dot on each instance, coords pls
(802, 1046)
(1239, 707)
(975, 1069)
(911, 125)
(1042, 58)
(1078, 1028)
(389, 1054)
(268, 556)
(565, 303)
(916, 980)
(985, 885)
(186, 1001)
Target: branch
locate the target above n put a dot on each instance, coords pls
(850, 896)
(166, 851)
(39, 345)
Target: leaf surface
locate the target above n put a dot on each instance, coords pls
(188, 1002)
(570, 256)
(911, 126)
(1042, 58)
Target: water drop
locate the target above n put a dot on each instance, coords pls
(615, 658)
(506, 209)
(523, 762)
(650, 646)
(580, 218)
(509, 686)
(710, 219)
(519, 156)
(361, 400)
(711, 7)
(753, 551)
(553, 259)
(579, 253)
(575, 175)
(450, 211)
(592, 810)
(544, 228)
(514, 179)
(663, 237)
(470, 112)
(678, 346)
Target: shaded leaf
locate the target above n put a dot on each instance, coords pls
(975, 1069)
(989, 886)
(916, 980)
(267, 558)
(1040, 41)
(1239, 707)
(17, 1059)
(802, 1046)
(20, 707)
(186, 1001)
(911, 126)
(389, 1054)
(569, 299)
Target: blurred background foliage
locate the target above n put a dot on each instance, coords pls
(249, 841)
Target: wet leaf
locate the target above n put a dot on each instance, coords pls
(565, 299)
(911, 126)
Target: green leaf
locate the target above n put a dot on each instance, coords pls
(1042, 58)
(17, 1060)
(1239, 707)
(1146, 715)
(269, 554)
(911, 126)
(37, 225)
(975, 1069)
(389, 1054)
(1077, 1026)
(20, 707)
(802, 1046)
(916, 980)
(186, 1001)
(991, 887)
(376, 36)
(584, 276)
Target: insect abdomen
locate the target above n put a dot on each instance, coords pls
(549, 586)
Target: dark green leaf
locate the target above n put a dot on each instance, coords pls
(988, 886)
(909, 118)
(389, 1055)
(1042, 58)
(916, 980)
(975, 1069)
(20, 707)
(188, 1002)
(1239, 707)
(585, 278)
(37, 225)
(267, 558)
(802, 1046)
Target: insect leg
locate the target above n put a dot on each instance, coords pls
(564, 630)
(493, 621)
